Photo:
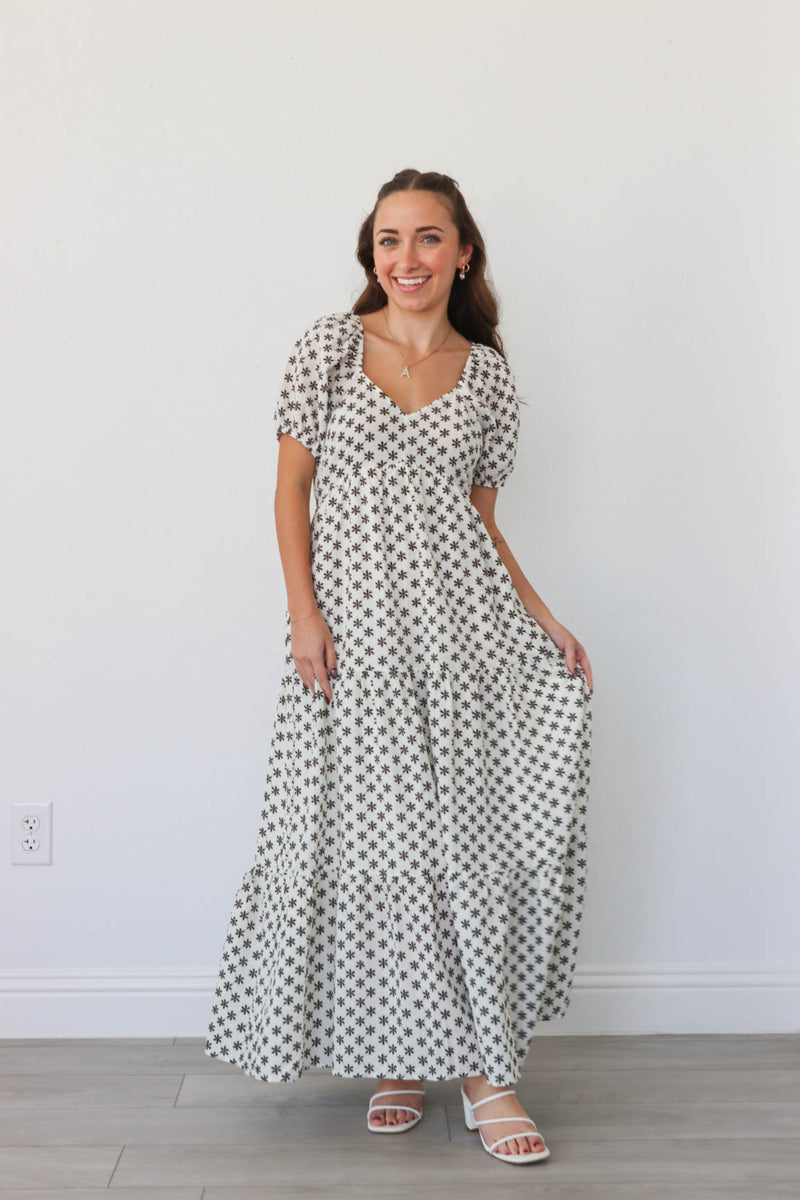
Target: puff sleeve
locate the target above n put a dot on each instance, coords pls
(301, 409)
(501, 427)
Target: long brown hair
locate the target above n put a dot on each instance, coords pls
(472, 307)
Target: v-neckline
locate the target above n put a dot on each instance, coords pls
(381, 392)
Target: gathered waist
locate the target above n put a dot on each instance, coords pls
(392, 470)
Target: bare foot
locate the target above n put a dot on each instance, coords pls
(477, 1088)
(395, 1116)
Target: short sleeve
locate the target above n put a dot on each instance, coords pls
(501, 428)
(302, 405)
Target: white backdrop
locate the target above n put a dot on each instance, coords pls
(182, 187)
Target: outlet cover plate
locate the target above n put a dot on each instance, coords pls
(29, 821)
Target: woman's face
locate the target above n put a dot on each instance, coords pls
(416, 249)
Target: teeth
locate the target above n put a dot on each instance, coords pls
(408, 282)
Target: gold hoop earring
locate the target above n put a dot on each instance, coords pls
(462, 274)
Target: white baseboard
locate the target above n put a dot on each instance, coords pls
(144, 1002)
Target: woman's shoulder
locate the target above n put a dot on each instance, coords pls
(493, 379)
(328, 340)
(492, 358)
(332, 327)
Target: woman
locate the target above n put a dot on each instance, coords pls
(415, 902)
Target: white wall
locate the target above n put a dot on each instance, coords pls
(183, 183)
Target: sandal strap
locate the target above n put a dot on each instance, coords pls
(496, 1096)
(374, 1108)
(502, 1120)
(510, 1138)
(401, 1091)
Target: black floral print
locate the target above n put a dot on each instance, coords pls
(415, 902)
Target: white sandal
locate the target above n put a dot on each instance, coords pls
(404, 1125)
(473, 1125)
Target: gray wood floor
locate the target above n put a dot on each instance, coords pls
(644, 1117)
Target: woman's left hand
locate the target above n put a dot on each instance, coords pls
(574, 651)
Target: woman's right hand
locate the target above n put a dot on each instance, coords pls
(313, 652)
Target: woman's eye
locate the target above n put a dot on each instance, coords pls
(386, 240)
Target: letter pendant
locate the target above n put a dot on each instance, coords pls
(405, 372)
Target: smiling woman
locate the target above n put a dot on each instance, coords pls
(414, 906)
(415, 257)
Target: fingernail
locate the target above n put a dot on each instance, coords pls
(334, 674)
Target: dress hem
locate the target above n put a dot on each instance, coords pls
(398, 1071)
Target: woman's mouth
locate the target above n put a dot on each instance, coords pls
(410, 283)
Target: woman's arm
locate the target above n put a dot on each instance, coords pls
(293, 524)
(312, 644)
(484, 499)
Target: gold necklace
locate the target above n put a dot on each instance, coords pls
(405, 371)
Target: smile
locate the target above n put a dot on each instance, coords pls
(412, 283)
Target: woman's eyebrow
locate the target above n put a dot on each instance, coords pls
(420, 229)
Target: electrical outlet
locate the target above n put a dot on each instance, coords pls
(32, 832)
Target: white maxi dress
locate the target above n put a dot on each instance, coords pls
(414, 904)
